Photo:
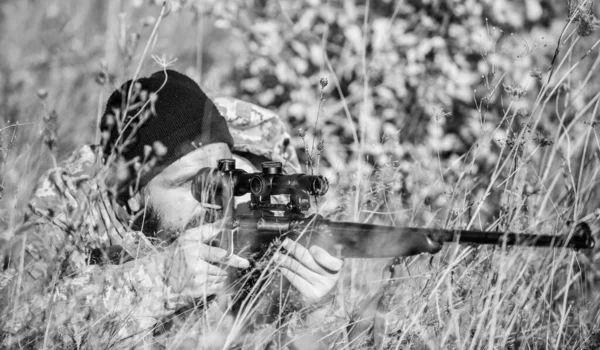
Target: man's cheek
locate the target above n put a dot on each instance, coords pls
(183, 215)
(178, 214)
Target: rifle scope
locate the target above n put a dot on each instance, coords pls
(272, 182)
(209, 182)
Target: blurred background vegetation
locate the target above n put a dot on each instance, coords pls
(437, 113)
(414, 86)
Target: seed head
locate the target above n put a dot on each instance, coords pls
(147, 151)
(50, 129)
(522, 113)
(133, 204)
(101, 78)
(122, 172)
(587, 22)
(159, 148)
(301, 132)
(109, 120)
(323, 82)
(153, 97)
(529, 190)
(137, 87)
(515, 91)
(320, 145)
(536, 72)
(586, 25)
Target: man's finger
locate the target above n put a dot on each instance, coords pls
(194, 266)
(326, 260)
(218, 255)
(303, 256)
(204, 233)
(302, 285)
(295, 266)
(208, 281)
(206, 269)
(195, 284)
(203, 287)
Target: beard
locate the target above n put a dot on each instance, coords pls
(154, 224)
(151, 223)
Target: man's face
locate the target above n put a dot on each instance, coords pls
(169, 197)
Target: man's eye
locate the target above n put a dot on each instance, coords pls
(183, 183)
(186, 183)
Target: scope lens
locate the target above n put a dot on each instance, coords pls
(256, 186)
(316, 185)
(319, 186)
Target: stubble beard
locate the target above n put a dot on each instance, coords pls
(153, 223)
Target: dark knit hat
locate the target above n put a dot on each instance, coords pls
(169, 108)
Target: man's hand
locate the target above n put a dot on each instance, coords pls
(314, 272)
(190, 270)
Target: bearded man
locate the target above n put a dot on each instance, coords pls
(115, 251)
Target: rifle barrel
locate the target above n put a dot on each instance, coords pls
(580, 239)
(356, 240)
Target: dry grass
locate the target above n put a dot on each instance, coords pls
(533, 171)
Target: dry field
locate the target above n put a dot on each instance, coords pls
(447, 114)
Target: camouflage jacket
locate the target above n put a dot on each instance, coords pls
(50, 293)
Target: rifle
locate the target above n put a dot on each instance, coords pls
(253, 230)
(250, 230)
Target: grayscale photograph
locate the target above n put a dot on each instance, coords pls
(290, 175)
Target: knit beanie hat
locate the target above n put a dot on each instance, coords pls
(167, 117)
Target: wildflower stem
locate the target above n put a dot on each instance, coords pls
(315, 133)
(166, 8)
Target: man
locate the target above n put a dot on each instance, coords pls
(115, 246)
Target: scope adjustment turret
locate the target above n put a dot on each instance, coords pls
(272, 168)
